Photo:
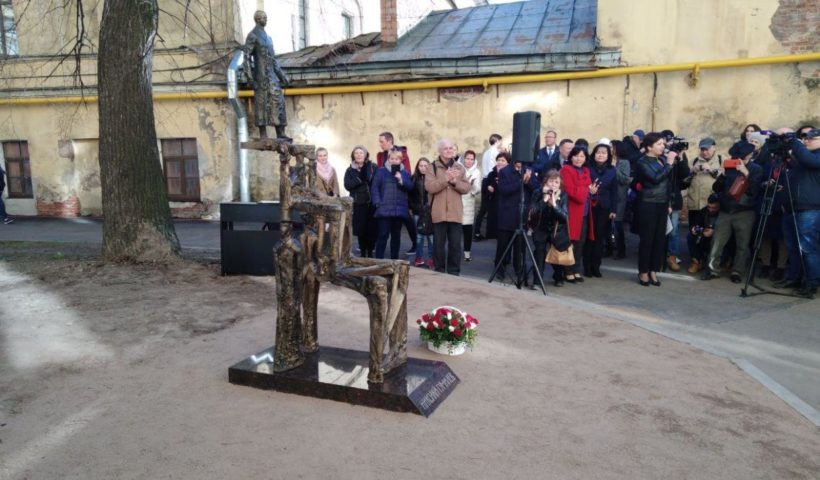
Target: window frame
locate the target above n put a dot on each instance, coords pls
(12, 48)
(347, 25)
(24, 161)
(181, 159)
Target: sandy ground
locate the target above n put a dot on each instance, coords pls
(121, 372)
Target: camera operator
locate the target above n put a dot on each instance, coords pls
(701, 231)
(736, 216)
(680, 171)
(806, 164)
(509, 204)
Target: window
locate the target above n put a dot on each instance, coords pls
(18, 169)
(181, 166)
(347, 25)
(303, 37)
(8, 31)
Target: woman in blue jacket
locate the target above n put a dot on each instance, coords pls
(604, 207)
(389, 194)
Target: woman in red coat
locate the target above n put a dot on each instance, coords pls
(580, 189)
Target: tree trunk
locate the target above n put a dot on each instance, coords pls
(138, 226)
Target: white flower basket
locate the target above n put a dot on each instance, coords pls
(448, 348)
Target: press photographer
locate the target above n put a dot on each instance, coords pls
(806, 165)
(737, 188)
(677, 177)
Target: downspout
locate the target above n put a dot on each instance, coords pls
(241, 124)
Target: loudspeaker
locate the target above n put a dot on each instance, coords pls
(526, 136)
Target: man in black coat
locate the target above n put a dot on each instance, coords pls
(806, 164)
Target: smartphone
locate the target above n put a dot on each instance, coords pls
(731, 163)
(394, 169)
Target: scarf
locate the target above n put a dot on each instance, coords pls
(325, 170)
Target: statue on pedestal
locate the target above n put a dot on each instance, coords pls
(267, 77)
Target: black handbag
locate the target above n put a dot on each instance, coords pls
(560, 237)
(425, 222)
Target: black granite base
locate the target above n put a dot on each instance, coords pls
(340, 374)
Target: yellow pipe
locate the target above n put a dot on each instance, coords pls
(463, 82)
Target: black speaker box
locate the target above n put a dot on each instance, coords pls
(526, 136)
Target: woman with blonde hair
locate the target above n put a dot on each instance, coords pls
(326, 179)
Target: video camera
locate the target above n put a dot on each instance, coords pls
(676, 144)
(780, 143)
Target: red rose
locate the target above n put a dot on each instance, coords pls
(457, 332)
(454, 322)
(442, 312)
(430, 326)
(418, 321)
(426, 317)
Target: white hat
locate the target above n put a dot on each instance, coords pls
(604, 141)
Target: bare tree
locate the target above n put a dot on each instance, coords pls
(138, 224)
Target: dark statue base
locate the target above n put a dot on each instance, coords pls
(339, 374)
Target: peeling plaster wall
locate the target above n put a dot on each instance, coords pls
(64, 158)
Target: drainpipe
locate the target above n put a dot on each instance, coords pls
(241, 125)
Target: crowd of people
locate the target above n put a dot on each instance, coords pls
(580, 198)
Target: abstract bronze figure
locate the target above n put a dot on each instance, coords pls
(322, 254)
(267, 77)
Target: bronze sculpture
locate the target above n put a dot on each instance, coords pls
(267, 77)
(322, 254)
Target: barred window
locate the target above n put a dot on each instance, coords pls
(18, 169)
(8, 31)
(181, 166)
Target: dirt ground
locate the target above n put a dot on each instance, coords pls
(121, 372)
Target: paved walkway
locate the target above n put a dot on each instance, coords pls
(775, 339)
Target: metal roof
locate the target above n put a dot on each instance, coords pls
(531, 36)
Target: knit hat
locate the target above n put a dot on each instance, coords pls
(758, 137)
(741, 150)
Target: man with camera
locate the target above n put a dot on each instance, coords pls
(806, 165)
(680, 172)
(701, 232)
(737, 189)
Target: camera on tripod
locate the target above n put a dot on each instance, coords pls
(780, 143)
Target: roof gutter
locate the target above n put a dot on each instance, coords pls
(694, 67)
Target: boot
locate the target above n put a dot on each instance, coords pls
(694, 267)
(467, 256)
(672, 261)
(280, 133)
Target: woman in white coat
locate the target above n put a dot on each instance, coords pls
(468, 201)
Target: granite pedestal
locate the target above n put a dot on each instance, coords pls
(340, 374)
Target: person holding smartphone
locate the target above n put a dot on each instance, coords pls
(389, 192)
(604, 204)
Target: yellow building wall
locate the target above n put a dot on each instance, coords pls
(648, 32)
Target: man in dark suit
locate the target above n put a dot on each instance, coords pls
(547, 155)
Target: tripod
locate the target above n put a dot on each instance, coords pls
(519, 233)
(772, 185)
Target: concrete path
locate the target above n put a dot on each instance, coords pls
(775, 339)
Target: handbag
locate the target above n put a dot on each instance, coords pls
(739, 187)
(425, 222)
(557, 257)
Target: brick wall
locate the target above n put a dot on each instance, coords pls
(390, 22)
(68, 208)
(795, 26)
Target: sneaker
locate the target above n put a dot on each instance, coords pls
(467, 256)
(412, 251)
(672, 261)
(419, 262)
(735, 277)
(694, 267)
(7, 220)
(430, 264)
(709, 275)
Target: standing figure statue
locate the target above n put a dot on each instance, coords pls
(267, 77)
